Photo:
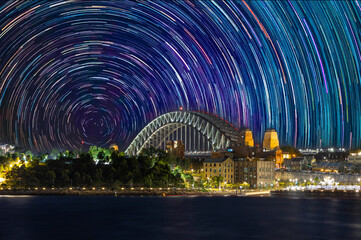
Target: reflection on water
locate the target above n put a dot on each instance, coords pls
(178, 218)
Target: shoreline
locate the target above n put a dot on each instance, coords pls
(165, 192)
(317, 194)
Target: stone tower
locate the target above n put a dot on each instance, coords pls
(247, 138)
(270, 140)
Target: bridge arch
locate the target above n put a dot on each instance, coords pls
(216, 131)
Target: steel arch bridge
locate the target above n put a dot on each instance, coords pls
(200, 132)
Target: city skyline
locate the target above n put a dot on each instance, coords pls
(98, 72)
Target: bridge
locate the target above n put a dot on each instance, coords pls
(201, 132)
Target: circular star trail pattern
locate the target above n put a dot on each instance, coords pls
(99, 71)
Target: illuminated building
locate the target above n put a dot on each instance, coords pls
(296, 163)
(331, 155)
(257, 173)
(287, 155)
(270, 140)
(219, 167)
(175, 148)
(274, 155)
(247, 138)
(354, 157)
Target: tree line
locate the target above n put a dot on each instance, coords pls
(97, 168)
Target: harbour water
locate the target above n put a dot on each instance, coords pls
(100, 217)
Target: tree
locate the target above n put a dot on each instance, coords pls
(101, 156)
(33, 182)
(185, 163)
(245, 185)
(160, 173)
(93, 150)
(217, 180)
(14, 155)
(44, 157)
(316, 180)
(54, 154)
(51, 176)
(22, 157)
(291, 150)
(77, 178)
(64, 177)
(28, 155)
(98, 174)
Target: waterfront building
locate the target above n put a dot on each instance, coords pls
(311, 177)
(296, 163)
(274, 155)
(256, 173)
(331, 155)
(246, 149)
(327, 166)
(219, 167)
(354, 157)
(258, 152)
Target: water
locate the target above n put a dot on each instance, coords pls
(178, 218)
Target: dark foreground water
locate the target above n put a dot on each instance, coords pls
(178, 218)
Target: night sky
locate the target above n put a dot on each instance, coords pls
(99, 71)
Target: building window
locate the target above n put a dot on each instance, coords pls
(219, 169)
(215, 165)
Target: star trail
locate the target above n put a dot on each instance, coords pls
(99, 71)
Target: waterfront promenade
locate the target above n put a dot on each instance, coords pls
(132, 192)
(305, 176)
